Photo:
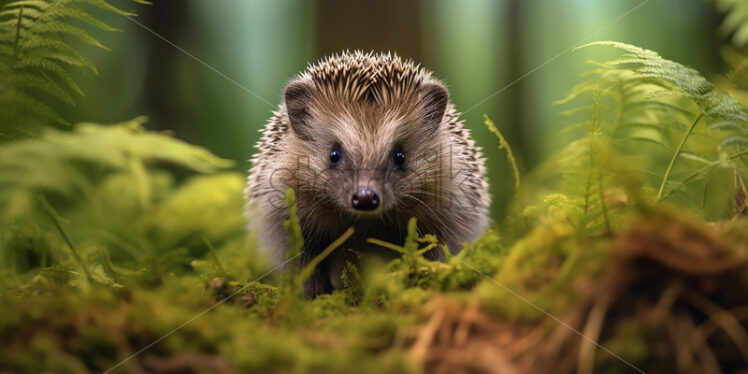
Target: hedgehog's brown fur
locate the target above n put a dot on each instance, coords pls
(366, 105)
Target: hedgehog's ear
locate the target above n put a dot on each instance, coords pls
(298, 97)
(435, 98)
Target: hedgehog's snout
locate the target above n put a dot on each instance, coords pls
(365, 199)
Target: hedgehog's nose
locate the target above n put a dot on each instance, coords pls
(365, 199)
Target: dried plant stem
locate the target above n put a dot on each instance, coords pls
(675, 156)
(592, 329)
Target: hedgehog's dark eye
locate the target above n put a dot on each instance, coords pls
(335, 156)
(399, 158)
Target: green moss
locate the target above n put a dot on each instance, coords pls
(467, 268)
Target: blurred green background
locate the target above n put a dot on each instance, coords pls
(477, 47)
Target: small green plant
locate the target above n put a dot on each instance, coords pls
(412, 266)
(503, 144)
(292, 282)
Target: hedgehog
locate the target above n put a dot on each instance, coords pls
(367, 140)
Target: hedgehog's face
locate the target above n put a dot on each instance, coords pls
(368, 158)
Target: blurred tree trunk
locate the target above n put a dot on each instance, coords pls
(166, 18)
(390, 25)
(516, 67)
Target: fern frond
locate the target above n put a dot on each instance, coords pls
(35, 55)
(644, 99)
(58, 162)
(47, 85)
(735, 24)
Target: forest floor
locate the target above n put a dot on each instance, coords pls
(662, 292)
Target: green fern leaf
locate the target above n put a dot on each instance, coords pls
(734, 141)
(642, 99)
(35, 55)
(736, 21)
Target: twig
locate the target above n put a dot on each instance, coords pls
(592, 329)
(729, 323)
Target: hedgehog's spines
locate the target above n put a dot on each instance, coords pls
(357, 75)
